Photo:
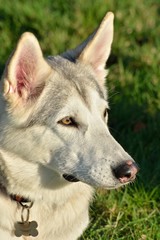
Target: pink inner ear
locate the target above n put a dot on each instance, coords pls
(25, 72)
(101, 50)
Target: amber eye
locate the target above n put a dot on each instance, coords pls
(68, 121)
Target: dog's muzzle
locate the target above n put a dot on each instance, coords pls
(125, 172)
(70, 178)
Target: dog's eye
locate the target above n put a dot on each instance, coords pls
(68, 121)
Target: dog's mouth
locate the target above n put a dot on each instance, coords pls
(70, 178)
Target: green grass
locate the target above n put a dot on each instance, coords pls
(134, 93)
(125, 214)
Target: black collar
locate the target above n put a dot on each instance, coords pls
(18, 198)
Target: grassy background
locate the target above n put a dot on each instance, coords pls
(134, 88)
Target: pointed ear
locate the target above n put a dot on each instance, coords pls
(26, 71)
(96, 49)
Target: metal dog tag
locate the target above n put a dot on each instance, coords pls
(26, 229)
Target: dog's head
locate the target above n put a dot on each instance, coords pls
(56, 112)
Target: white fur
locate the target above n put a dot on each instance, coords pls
(36, 149)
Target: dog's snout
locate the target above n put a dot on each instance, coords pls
(126, 172)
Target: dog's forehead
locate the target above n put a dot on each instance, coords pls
(67, 81)
(75, 75)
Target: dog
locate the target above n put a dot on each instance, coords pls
(55, 145)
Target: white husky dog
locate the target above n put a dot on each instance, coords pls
(54, 141)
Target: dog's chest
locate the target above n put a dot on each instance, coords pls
(64, 222)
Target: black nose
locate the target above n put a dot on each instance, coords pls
(126, 171)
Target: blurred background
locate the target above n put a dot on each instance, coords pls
(134, 94)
